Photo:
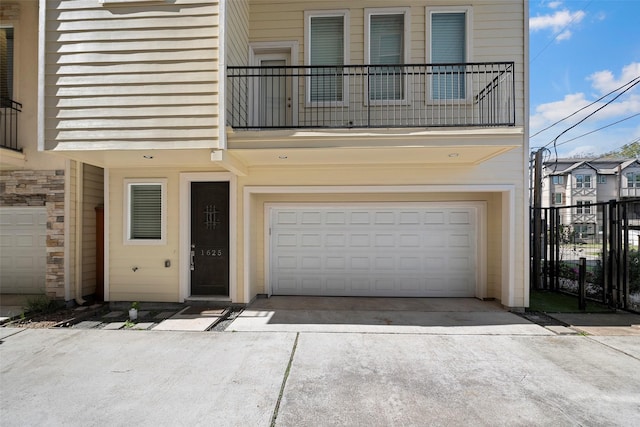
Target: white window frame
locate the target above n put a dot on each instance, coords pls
(308, 15)
(468, 11)
(555, 198)
(633, 179)
(406, 55)
(582, 180)
(557, 180)
(583, 207)
(128, 183)
(602, 179)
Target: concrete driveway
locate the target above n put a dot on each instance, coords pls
(308, 378)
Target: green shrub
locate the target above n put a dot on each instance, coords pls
(41, 304)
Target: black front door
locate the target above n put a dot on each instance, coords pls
(209, 238)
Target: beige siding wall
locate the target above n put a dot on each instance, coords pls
(237, 32)
(142, 75)
(498, 30)
(93, 190)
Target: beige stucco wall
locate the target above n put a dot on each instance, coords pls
(460, 176)
(153, 282)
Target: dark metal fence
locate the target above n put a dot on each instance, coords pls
(369, 96)
(607, 235)
(9, 113)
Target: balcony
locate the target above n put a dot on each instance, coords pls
(630, 192)
(471, 95)
(9, 113)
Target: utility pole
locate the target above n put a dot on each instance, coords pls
(537, 220)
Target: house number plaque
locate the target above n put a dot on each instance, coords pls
(211, 252)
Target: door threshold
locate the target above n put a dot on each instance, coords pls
(208, 299)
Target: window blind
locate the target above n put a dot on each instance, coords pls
(386, 47)
(327, 48)
(6, 64)
(146, 211)
(448, 41)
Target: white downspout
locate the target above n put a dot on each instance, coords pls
(78, 232)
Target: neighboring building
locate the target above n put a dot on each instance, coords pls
(285, 148)
(47, 203)
(581, 183)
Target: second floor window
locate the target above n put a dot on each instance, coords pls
(583, 181)
(558, 198)
(6, 64)
(633, 179)
(448, 46)
(584, 207)
(557, 179)
(602, 179)
(326, 45)
(387, 35)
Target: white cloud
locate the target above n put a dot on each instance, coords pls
(557, 22)
(555, 4)
(604, 81)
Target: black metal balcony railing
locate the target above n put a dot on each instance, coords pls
(371, 96)
(9, 111)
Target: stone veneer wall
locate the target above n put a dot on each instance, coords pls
(41, 188)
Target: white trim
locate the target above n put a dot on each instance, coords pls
(126, 240)
(344, 13)
(468, 11)
(222, 76)
(257, 49)
(42, 19)
(406, 55)
(185, 229)
(107, 233)
(479, 207)
(117, 2)
(508, 247)
(508, 286)
(67, 231)
(78, 237)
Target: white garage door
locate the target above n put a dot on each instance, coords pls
(23, 250)
(410, 250)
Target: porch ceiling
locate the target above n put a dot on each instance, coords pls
(384, 147)
(151, 158)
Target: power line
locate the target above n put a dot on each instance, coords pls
(585, 107)
(599, 129)
(553, 141)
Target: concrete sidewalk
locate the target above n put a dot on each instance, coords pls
(150, 378)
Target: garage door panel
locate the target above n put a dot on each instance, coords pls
(336, 284)
(379, 251)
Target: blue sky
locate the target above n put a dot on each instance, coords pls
(581, 50)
